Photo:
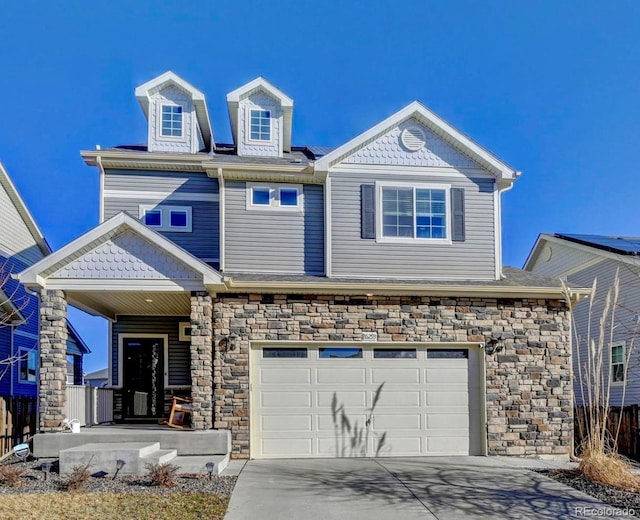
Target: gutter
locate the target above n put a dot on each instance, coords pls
(102, 175)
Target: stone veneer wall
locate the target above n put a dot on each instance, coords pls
(529, 394)
(201, 360)
(53, 360)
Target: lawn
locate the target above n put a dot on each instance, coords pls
(114, 506)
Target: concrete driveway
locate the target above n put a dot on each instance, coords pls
(403, 488)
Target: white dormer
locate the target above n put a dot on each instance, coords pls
(260, 117)
(177, 115)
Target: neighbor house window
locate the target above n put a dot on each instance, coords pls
(414, 212)
(260, 125)
(171, 121)
(286, 197)
(166, 218)
(617, 363)
(28, 365)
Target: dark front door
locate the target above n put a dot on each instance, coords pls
(143, 382)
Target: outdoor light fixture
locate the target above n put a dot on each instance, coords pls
(492, 347)
(46, 469)
(210, 467)
(228, 344)
(119, 465)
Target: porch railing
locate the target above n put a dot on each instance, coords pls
(89, 405)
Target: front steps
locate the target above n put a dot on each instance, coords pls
(102, 447)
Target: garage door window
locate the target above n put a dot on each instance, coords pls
(394, 353)
(448, 353)
(284, 353)
(340, 353)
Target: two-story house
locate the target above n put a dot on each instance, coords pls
(314, 302)
(21, 245)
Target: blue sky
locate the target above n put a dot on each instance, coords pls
(553, 88)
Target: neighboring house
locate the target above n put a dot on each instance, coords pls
(21, 245)
(579, 260)
(99, 378)
(314, 302)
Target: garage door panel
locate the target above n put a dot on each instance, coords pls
(395, 375)
(337, 375)
(395, 398)
(389, 422)
(291, 423)
(447, 398)
(287, 447)
(446, 375)
(447, 421)
(400, 446)
(355, 398)
(326, 423)
(448, 445)
(276, 399)
(292, 375)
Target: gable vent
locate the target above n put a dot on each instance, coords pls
(413, 138)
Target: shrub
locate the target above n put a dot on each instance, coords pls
(11, 474)
(162, 474)
(78, 478)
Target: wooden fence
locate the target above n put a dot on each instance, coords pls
(18, 417)
(628, 437)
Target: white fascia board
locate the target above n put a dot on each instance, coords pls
(11, 308)
(25, 214)
(33, 275)
(535, 250)
(434, 122)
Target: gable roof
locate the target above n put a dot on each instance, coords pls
(434, 123)
(23, 211)
(613, 244)
(199, 101)
(286, 103)
(35, 276)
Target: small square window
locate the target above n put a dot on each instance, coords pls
(261, 196)
(394, 353)
(171, 121)
(342, 353)
(179, 219)
(260, 125)
(448, 353)
(284, 352)
(288, 197)
(153, 218)
(28, 365)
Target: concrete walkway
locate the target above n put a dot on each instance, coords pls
(404, 488)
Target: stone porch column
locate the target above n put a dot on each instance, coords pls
(53, 360)
(201, 360)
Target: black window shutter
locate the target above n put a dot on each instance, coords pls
(457, 209)
(368, 211)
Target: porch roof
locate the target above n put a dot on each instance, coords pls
(123, 267)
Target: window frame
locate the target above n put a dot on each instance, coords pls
(381, 185)
(30, 353)
(256, 108)
(622, 345)
(274, 197)
(159, 129)
(165, 217)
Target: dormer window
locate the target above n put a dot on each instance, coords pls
(171, 121)
(166, 218)
(260, 125)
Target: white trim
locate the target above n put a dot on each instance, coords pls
(418, 171)
(274, 197)
(182, 331)
(127, 284)
(328, 249)
(101, 174)
(434, 123)
(159, 135)
(29, 335)
(221, 219)
(110, 351)
(247, 125)
(130, 335)
(624, 364)
(380, 238)
(165, 217)
(161, 195)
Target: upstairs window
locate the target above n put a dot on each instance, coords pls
(28, 365)
(260, 127)
(166, 218)
(414, 212)
(171, 121)
(617, 363)
(285, 197)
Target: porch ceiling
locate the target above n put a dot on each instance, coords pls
(110, 304)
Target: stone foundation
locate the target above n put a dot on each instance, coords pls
(201, 361)
(528, 383)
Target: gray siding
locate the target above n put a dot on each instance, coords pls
(272, 241)
(179, 362)
(626, 328)
(563, 258)
(203, 240)
(353, 256)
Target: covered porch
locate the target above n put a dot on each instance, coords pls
(158, 300)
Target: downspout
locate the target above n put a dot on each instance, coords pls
(221, 219)
(498, 219)
(102, 174)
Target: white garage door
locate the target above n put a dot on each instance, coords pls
(321, 401)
